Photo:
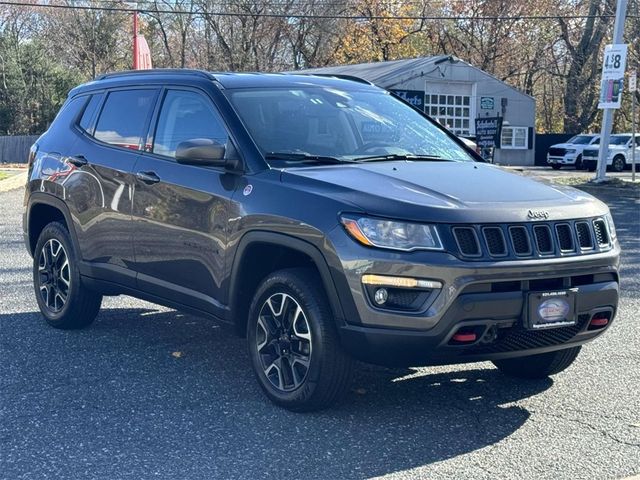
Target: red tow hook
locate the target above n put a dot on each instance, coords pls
(597, 321)
(464, 337)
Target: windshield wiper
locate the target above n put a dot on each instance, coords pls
(398, 156)
(305, 157)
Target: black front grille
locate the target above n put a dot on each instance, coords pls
(557, 152)
(565, 237)
(467, 241)
(584, 235)
(600, 229)
(495, 241)
(532, 239)
(544, 240)
(517, 338)
(520, 240)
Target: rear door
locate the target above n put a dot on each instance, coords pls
(181, 212)
(99, 191)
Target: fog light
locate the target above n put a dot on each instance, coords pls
(381, 296)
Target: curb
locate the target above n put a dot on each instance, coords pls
(13, 182)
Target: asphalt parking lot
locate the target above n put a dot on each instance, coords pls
(148, 392)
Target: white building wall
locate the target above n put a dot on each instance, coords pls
(463, 79)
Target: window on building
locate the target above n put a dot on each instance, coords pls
(452, 111)
(184, 116)
(514, 137)
(124, 117)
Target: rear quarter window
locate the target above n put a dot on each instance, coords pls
(88, 116)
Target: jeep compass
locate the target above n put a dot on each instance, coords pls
(324, 218)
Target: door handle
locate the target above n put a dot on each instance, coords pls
(148, 177)
(77, 160)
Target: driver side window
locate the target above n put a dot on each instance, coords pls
(186, 115)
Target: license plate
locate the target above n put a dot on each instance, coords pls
(551, 309)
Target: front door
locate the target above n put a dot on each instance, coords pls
(180, 211)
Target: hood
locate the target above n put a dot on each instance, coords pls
(451, 192)
(566, 145)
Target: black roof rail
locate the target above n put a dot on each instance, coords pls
(158, 71)
(341, 76)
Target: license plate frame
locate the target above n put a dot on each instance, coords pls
(551, 309)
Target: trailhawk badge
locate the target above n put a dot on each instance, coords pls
(537, 214)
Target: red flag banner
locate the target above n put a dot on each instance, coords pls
(144, 54)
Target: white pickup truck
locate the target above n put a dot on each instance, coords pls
(619, 153)
(571, 152)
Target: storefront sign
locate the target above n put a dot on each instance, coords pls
(488, 131)
(414, 97)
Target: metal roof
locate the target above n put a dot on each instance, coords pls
(388, 74)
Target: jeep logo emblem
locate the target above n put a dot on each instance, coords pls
(537, 214)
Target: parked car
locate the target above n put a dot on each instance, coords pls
(620, 153)
(322, 217)
(571, 153)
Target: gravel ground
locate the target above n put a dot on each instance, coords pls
(117, 401)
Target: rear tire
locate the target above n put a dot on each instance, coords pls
(293, 342)
(538, 366)
(62, 298)
(556, 167)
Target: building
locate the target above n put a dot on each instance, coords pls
(457, 93)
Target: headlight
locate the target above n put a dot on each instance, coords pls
(612, 227)
(395, 235)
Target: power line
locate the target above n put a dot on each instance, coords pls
(308, 16)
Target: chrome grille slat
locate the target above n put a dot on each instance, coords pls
(565, 237)
(520, 240)
(496, 243)
(467, 241)
(583, 232)
(600, 230)
(544, 239)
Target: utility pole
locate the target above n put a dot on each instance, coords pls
(135, 40)
(607, 114)
(633, 87)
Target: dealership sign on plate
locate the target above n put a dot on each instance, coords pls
(612, 81)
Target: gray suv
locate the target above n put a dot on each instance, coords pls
(324, 218)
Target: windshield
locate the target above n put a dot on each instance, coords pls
(581, 140)
(619, 139)
(345, 125)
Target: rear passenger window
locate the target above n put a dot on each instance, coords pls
(124, 116)
(184, 116)
(86, 122)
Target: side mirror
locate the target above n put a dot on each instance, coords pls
(201, 151)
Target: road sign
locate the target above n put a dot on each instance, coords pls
(633, 81)
(612, 81)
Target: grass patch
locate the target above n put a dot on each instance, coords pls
(3, 175)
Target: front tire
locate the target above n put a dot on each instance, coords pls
(618, 164)
(293, 342)
(578, 164)
(62, 298)
(538, 366)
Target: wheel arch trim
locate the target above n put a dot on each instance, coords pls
(41, 198)
(293, 243)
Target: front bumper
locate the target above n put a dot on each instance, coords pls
(488, 296)
(568, 159)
